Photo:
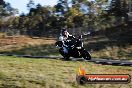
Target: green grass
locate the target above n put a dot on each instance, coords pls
(39, 50)
(52, 73)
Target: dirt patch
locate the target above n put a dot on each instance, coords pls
(11, 43)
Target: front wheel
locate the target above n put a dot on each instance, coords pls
(66, 57)
(86, 55)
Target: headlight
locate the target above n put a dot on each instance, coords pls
(78, 47)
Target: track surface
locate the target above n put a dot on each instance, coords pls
(94, 60)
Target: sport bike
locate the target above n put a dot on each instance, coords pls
(73, 48)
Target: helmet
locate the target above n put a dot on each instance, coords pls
(64, 31)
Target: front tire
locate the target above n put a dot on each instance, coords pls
(65, 56)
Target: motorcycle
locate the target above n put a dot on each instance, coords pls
(73, 48)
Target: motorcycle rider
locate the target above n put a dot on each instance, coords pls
(65, 37)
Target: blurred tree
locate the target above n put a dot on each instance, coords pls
(67, 13)
(3, 3)
(6, 12)
(118, 7)
(62, 6)
(30, 4)
(10, 10)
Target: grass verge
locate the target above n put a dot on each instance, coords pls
(52, 73)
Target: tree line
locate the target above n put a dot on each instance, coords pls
(43, 20)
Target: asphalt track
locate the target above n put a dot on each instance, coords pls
(93, 60)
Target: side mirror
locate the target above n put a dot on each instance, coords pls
(86, 33)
